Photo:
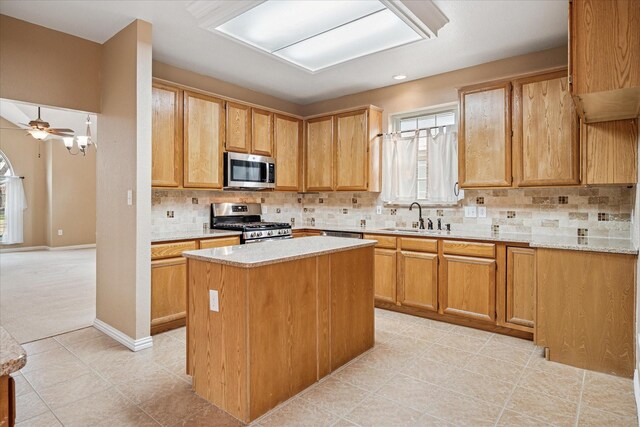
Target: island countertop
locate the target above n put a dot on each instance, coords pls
(258, 254)
(12, 355)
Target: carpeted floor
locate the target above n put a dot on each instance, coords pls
(46, 293)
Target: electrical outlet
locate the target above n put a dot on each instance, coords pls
(482, 212)
(470, 212)
(214, 304)
(60, 232)
(265, 209)
(129, 197)
(379, 210)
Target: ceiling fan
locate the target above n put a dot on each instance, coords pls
(41, 129)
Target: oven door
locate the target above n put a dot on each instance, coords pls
(248, 171)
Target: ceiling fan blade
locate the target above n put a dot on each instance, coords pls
(60, 130)
(60, 133)
(25, 125)
(14, 129)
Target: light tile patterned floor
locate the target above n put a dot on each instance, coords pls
(421, 373)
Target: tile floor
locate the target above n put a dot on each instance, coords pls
(420, 373)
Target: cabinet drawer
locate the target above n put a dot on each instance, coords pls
(387, 242)
(418, 245)
(175, 249)
(452, 247)
(219, 242)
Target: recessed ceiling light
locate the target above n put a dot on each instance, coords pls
(399, 77)
(316, 34)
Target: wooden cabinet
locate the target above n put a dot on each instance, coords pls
(261, 132)
(484, 138)
(166, 136)
(319, 154)
(611, 152)
(385, 275)
(469, 287)
(604, 58)
(204, 130)
(521, 288)
(7, 401)
(418, 279)
(287, 139)
(305, 233)
(585, 309)
(546, 145)
(169, 280)
(351, 150)
(238, 128)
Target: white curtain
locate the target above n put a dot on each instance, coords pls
(400, 175)
(16, 203)
(442, 165)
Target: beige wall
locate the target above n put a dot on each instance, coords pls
(441, 88)
(123, 273)
(213, 85)
(22, 151)
(48, 67)
(60, 190)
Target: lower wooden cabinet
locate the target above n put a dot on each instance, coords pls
(521, 288)
(385, 274)
(418, 280)
(168, 294)
(219, 242)
(469, 287)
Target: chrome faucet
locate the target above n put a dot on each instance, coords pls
(420, 220)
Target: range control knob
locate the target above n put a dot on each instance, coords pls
(259, 233)
(252, 235)
(269, 233)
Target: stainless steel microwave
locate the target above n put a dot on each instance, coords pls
(249, 172)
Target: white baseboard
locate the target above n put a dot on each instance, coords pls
(122, 338)
(24, 249)
(636, 390)
(46, 248)
(68, 248)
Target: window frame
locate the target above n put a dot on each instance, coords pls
(2, 183)
(394, 125)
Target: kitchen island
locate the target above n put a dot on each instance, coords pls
(267, 320)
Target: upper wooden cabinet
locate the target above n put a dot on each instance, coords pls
(204, 132)
(319, 154)
(351, 139)
(546, 145)
(166, 136)
(611, 152)
(287, 138)
(484, 137)
(261, 132)
(238, 135)
(604, 58)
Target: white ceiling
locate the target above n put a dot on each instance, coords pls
(479, 31)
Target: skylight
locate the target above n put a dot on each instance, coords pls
(318, 34)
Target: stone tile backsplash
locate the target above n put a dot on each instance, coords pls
(601, 211)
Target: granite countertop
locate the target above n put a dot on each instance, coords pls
(189, 235)
(272, 252)
(593, 244)
(12, 355)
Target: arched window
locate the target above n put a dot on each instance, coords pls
(5, 170)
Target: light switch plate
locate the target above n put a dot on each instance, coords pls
(470, 212)
(379, 210)
(213, 300)
(482, 212)
(129, 197)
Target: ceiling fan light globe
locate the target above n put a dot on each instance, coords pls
(39, 134)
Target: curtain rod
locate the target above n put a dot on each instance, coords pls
(414, 130)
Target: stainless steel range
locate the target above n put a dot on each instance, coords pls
(246, 217)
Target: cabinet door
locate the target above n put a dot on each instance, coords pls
(166, 136)
(203, 136)
(545, 139)
(469, 287)
(219, 242)
(484, 140)
(319, 154)
(611, 152)
(238, 128)
(168, 294)
(418, 280)
(288, 152)
(521, 287)
(351, 151)
(385, 275)
(262, 132)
